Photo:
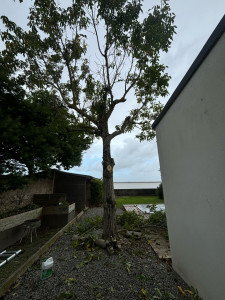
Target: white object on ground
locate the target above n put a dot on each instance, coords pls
(46, 268)
(146, 210)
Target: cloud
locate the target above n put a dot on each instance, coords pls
(135, 161)
(92, 161)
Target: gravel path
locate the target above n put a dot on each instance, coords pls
(98, 211)
(131, 274)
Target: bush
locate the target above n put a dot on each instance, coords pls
(13, 182)
(159, 191)
(89, 224)
(130, 220)
(157, 218)
(96, 192)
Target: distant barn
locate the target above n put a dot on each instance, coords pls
(135, 188)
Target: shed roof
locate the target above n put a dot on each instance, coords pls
(55, 171)
(72, 174)
(215, 36)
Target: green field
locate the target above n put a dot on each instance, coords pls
(138, 200)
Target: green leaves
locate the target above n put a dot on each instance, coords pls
(37, 130)
(119, 17)
(158, 28)
(57, 55)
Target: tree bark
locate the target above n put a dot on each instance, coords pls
(109, 218)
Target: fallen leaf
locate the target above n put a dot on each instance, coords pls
(181, 290)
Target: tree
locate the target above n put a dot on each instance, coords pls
(128, 49)
(37, 131)
(159, 192)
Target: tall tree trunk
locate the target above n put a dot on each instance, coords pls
(109, 218)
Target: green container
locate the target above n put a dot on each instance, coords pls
(46, 268)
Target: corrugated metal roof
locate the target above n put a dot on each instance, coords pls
(135, 185)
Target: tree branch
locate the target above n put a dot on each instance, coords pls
(96, 32)
(121, 62)
(73, 105)
(87, 128)
(123, 98)
(122, 129)
(130, 120)
(107, 66)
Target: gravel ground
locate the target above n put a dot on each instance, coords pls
(133, 273)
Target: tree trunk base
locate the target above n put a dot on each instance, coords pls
(111, 246)
(110, 226)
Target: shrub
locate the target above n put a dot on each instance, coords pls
(130, 220)
(13, 182)
(157, 218)
(96, 192)
(159, 191)
(89, 224)
(95, 222)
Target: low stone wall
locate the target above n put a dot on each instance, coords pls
(11, 230)
(19, 219)
(135, 192)
(13, 199)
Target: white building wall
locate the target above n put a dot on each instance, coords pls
(191, 145)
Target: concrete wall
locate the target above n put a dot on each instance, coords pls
(191, 145)
(135, 192)
(135, 188)
(13, 199)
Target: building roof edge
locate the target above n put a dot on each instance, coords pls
(211, 42)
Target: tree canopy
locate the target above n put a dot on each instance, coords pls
(55, 51)
(37, 131)
(94, 54)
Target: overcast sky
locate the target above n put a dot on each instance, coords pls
(135, 161)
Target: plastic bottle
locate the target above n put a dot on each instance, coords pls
(46, 268)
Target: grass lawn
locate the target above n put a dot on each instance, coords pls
(138, 200)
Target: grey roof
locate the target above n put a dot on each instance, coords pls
(52, 171)
(215, 36)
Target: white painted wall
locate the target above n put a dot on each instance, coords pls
(135, 185)
(191, 145)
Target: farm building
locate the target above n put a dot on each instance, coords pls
(191, 144)
(135, 188)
